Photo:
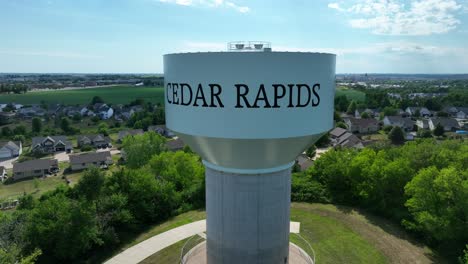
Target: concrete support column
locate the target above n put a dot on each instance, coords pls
(247, 216)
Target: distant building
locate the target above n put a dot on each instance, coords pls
(92, 159)
(403, 122)
(10, 149)
(3, 173)
(97, 141)
(103, 110)
(364, 125)
(132, 132)
(29, 112)
(175, 145)
(448, 123)
(423, 111)
(422, 123)
(342, 138)
(51, 144)
(34, 168)
(304, 162)
(162, 130)
(462, 113)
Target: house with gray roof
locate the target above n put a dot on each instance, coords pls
(92, 159)
(51, 144)
(448, 123)
(362, 125)
(34, 168)
(423, 111)
(97, 141)
(404, 123)
(462, 113)
(10, 149)
(162, 130)
(131, 132)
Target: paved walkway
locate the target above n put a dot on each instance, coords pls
(141, 251)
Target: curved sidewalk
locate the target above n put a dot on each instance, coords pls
(141, 251)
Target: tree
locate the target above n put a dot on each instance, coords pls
(396, 136)
(438, 202)
(424, 133)
(365, 115)
(140, 148)
(352, 108)
(6, 131)
(438, 130)
(341, 103)
(310, 152)
(417, 113)
(90, 184)
(65, 124)
(97, 100)
(342, 125)
(62, 227)
(103, 128)
(323, 141)
(185, 172)
(36, 125)
(337, 117)
(20, 130)
(442, 114)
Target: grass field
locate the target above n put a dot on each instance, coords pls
(350, 94)
(112, 95)
(340, 235)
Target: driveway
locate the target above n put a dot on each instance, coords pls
(113, 151)
(61, 156)
(8, 163)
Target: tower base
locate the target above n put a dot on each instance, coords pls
(197, 255)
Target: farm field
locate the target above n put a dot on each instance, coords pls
(338, 235)
(350, 94)
(111, 95)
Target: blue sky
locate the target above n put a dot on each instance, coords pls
(130, 36)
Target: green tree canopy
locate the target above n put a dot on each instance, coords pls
(396, 135)
(36, 125)
(140, 148)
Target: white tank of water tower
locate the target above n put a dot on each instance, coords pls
(249, 112)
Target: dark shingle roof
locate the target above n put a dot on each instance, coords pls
(39, 140)
(30, 165)
(90, 157)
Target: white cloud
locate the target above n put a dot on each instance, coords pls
(393, 17)
(209, 3)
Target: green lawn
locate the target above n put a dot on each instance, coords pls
(112, 95)
(338, 235)
(351, 94)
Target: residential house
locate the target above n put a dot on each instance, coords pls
(51, 144)
(404, 123)
(103, 110)
(98, 141)
(10, 149)
(448, 123)
(462, 113)
(175, 145)
(34, 168)
(348, 140)
(422, 123)
(6, 117)
(162, 130)
(93, 159)
(337, 132)
(32, 111)
(3, 173)
(71, 111)
(132, 132)
(371, 112)
(304, 162)
(364, 125)
(423, 111)
(451, 110)
(53, 109)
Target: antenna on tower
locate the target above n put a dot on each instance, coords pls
(249, 46)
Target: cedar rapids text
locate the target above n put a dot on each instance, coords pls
(278, 95)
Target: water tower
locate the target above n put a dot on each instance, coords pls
(249, 112)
